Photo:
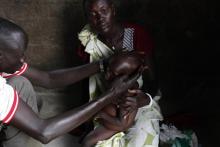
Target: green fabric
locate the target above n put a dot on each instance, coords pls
(149, 139)
(183, 142)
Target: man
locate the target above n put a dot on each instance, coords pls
(22, 113)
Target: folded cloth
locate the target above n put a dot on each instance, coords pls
(170, 135)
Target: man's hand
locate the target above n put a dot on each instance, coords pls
(121, 85)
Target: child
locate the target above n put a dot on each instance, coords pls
(113, 116)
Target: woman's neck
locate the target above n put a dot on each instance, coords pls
(114, 37)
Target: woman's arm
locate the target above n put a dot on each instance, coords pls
(62, 77)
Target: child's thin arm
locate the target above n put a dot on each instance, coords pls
(110, 122)
(98, 134)
(124, 120)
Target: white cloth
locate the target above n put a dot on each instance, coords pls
(8, 101)
(97, 51)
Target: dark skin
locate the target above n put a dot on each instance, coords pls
(10, 52)
(45, 130)
(117, 117)
(101, 16)
(61, 77)
(50, 79)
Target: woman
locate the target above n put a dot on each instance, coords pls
(103, 37)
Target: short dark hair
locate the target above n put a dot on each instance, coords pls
(7, 27)
(87, 2)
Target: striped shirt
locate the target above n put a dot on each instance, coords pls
(8, 101)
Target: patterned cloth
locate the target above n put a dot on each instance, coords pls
(147, 118)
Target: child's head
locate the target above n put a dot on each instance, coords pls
(123, 66)
(13, 42)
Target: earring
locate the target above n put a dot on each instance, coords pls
(22, 60)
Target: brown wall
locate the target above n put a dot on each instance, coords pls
(183, 31)
(52, 26)
(47, 22)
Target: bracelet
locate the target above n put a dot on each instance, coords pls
(151, 100)
(101, 66)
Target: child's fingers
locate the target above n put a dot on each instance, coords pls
(130, 104)
(145, 67)
(141, 52)
(134, 91)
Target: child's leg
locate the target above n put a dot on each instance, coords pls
(98, 134)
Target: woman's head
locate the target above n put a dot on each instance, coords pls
(100, 15)
(13, 42)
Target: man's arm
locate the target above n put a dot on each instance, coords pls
(45, 130)
(62, 77)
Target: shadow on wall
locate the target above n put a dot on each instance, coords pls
(186, 35)
(73, 20)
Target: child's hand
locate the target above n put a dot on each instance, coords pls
(128, 105)
(141, 97)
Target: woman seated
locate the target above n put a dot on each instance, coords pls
(104, 36)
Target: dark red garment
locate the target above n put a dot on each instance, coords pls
(141, 40)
